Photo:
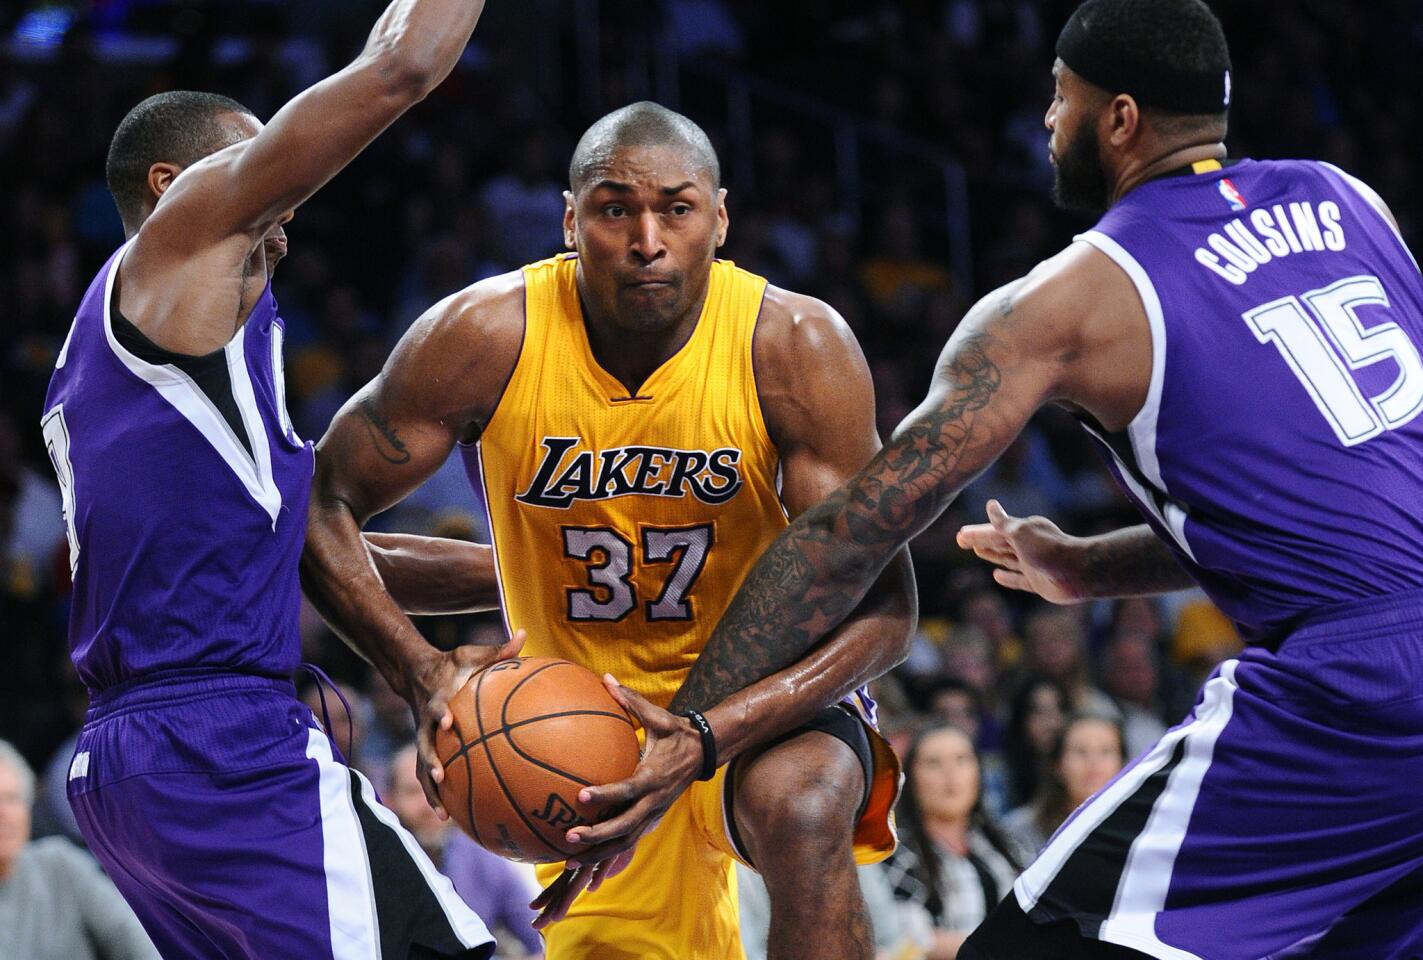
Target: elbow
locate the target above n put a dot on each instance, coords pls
(902, 607)
(406, 78)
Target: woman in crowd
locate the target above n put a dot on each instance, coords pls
(1089, 752)
(953, 863)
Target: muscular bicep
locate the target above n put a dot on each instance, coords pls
(379, 448)
(819, 403)
(443, 377)
(246, 188)
(249, 187)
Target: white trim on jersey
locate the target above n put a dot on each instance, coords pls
(1146, 877)
(279, 382)
(350, 892)
(188, 399)
(1142, 429)
(1372, 198)
(466, 924)
(64, 350)
(1144, 496)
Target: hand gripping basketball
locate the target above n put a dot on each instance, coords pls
(431, 684)
(671, 761)
(529, 735)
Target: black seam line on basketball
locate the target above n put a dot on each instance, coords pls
(504, 722)
(504, 708)
(469, 782)
(524, 723)
(494, 767)
(547, 766)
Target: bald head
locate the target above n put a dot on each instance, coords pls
(643, 124)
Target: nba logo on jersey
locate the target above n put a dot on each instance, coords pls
(1232, 195)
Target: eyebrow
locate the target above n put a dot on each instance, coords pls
(618, 186)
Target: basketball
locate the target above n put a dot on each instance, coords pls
(528, 734)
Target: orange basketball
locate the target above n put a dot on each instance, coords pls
(528, 734)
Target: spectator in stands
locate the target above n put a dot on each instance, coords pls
(985, 609)
(1089, 752)
(55, 903)
(953, 863)
(952, 701)
(1131, 674)
(496, 889)
(1055, 645)
(1035, 719)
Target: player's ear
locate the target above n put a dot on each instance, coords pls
(161, 177)
(570, 235)
(1124, 116)
(722, 220)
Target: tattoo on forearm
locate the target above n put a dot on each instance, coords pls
(820, 567)
(383, 436)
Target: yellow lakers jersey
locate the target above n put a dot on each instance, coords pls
(622, 525)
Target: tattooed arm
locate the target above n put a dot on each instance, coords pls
(1032, 554)
(441, 383)
(1072, 330)
(817, 395)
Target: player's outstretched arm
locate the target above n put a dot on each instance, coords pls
(444, 378)
(1034, 555)
(248, 187)
(818, 399)
(1073, 330)
(1006, 359)
(998, 368)
(432, 576)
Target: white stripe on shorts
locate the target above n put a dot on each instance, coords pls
(1141, 894)
(350, 895)
(465, 923)
(1141, 891)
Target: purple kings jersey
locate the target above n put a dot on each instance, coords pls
(1280, 449)
(184, 536)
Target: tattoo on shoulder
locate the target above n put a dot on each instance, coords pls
(387, 442)
(1005, 306)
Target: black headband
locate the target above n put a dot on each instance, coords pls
(1107, 63)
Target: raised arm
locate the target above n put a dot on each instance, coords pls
(442, 381)
(202, 258)
(244, 189)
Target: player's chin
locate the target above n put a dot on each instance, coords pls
(647, 317)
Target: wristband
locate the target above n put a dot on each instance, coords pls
(704, 729)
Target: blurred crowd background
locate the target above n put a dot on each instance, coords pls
(888, 157)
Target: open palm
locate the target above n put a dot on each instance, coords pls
(1030, 553)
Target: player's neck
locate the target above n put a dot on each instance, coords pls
(1135, 174)
(633, 357)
